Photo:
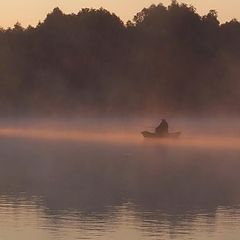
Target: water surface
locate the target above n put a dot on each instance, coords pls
(61, 184)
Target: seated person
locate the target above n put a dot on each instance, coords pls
(162, 129)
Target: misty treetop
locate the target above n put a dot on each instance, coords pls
(166, 59)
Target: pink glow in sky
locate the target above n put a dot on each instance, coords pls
(29, 12)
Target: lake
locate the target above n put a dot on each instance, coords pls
(66, 183)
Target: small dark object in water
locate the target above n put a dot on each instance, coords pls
(155, 135)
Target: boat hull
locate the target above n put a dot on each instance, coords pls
(160, 136)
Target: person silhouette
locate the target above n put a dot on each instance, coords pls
(162, 129)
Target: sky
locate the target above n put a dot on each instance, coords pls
(30, 12)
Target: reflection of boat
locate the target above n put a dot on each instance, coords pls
(155, 135)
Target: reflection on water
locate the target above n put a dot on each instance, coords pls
(110, 190)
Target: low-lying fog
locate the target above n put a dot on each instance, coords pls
(100, 179)
(196, 132)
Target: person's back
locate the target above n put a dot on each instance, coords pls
(162, 128)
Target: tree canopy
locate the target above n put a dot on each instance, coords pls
(169, 58)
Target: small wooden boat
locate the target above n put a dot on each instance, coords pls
(155, 135)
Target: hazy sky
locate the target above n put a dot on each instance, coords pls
(32, 11)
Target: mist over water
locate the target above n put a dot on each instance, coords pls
(99, 179)
(96, 177)
(210, 133)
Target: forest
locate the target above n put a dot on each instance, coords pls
(167, 59)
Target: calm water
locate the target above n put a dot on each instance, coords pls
(105, 190)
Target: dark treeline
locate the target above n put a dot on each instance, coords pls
(168, 59)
